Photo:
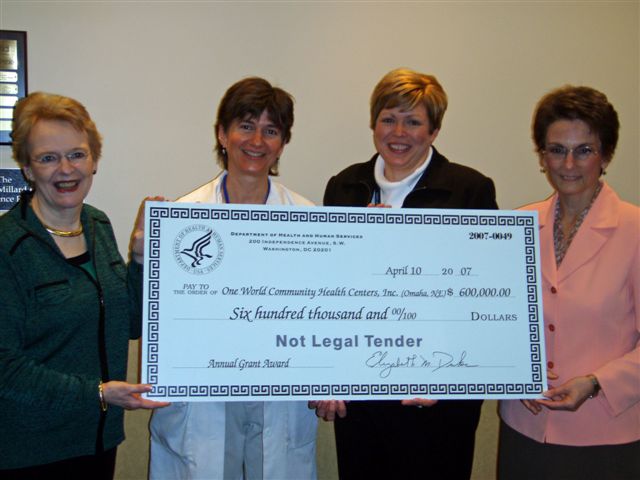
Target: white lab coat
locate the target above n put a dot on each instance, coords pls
(188, 439)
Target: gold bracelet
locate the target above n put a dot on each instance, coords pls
(103, 403)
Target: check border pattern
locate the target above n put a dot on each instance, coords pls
(465, 390)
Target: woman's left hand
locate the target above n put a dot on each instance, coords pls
(127, 395)
(568, 396)
(136, 244)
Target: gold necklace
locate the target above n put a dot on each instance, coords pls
(55, 231)
(63, 233)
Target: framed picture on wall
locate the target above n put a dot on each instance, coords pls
(13, 77)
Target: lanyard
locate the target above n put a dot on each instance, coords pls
(376, 199)
(226, 192)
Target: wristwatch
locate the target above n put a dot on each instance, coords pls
(596, 385)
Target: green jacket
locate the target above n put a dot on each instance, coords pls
(61, 332)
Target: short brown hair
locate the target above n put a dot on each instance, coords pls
(48, 106)
(407, 89)
(248, 98)
(577, 103)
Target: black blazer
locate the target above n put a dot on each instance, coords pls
(442, 185)
(437, 441)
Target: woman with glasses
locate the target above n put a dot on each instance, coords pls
(69, 305)
(386, 439)
(588, 424)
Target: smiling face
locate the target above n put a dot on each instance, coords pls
(403, 138)
(253, 145)
(60, 166)
(575, 179)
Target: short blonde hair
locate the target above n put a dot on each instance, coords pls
(47, 106)
(407, 89)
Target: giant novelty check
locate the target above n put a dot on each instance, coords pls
(281, 303)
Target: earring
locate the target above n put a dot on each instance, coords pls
(224, 152)
(543, 170)
(95, 171)
(29, 180)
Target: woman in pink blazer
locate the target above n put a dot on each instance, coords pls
(588, 426)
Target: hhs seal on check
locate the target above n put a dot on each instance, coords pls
(198, 249)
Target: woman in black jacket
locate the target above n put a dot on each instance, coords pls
(391, 439)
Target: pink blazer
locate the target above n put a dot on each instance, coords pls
(592, 325)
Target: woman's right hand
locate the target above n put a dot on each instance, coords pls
(136, 243)
(328, 409)
(127, 395)
(532, 405)
(419, 402)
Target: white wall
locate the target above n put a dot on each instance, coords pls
(152, 73)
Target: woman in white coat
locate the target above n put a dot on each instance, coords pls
(241, 440)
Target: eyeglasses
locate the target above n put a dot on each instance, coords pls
(559, 152)
(53, 159)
